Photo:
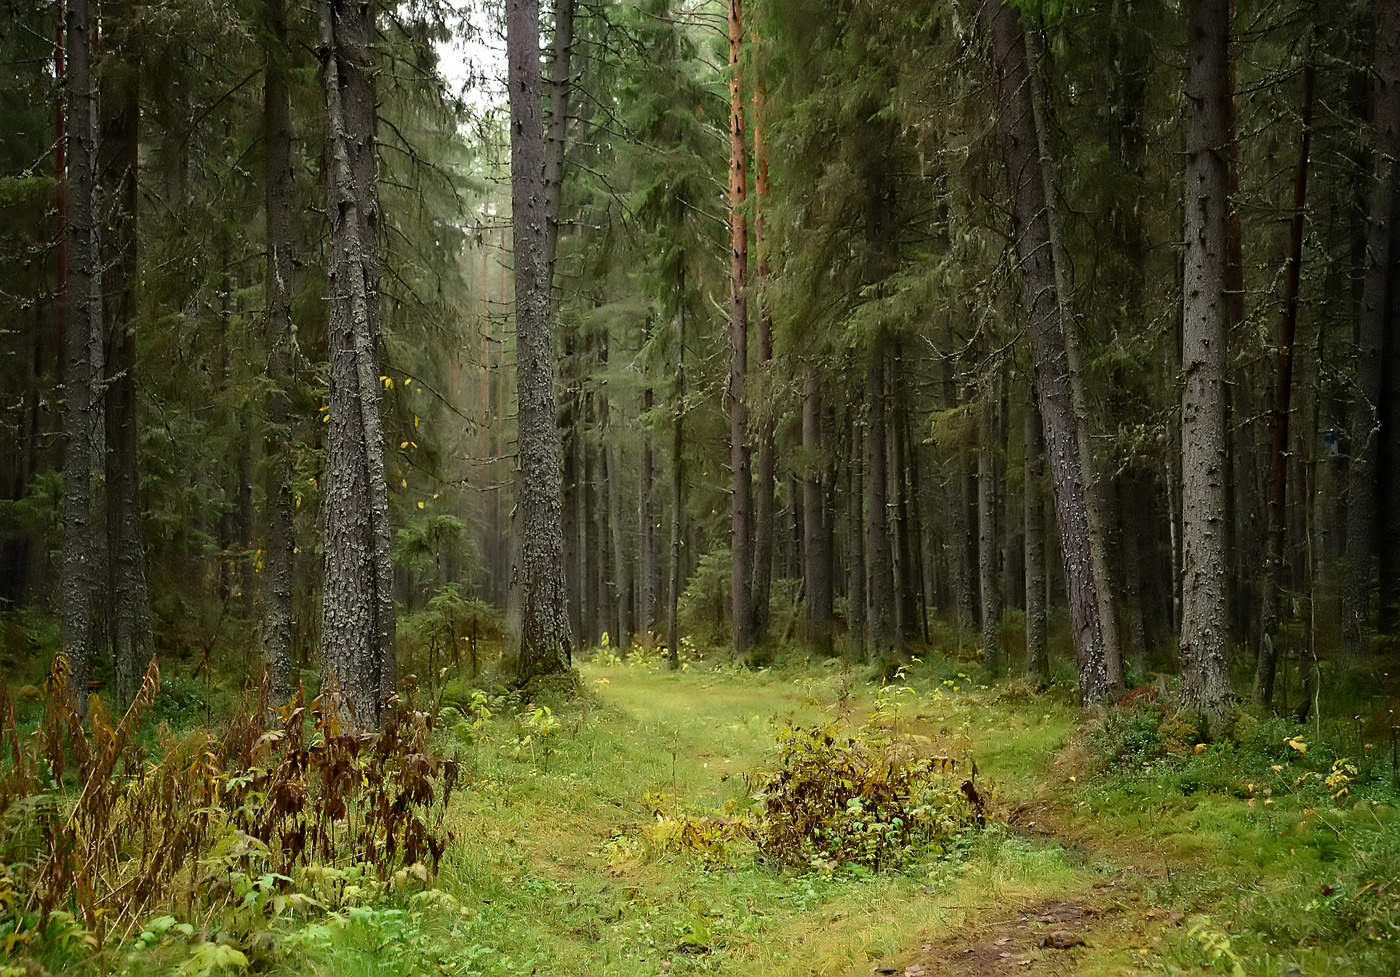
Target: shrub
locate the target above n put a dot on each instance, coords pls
(863, 800)
(97, 828)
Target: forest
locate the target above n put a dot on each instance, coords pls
(678, 487)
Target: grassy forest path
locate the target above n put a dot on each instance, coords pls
(560, 846)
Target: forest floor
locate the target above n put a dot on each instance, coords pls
(1182, 865)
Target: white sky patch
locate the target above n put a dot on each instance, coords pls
(474, 61)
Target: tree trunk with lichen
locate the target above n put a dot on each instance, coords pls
(1205, 681)
(545, 639)
(357, 609)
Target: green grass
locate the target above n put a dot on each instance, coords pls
(553, 869)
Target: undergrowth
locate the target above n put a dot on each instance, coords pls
(218, 835)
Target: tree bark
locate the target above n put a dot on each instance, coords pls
(82, 404)
(855, 539)
(989, 427)
(1021, 157)
(560, 82)
(622, 570)
(815, 539)
(646, 526)
(120, 114)
(1205, 684)
(740, 501)
(357, 611)
(281, 346)
(763, 495)
(673, 590)
(1033, 502)
(1267, 654)
(879, 557)
(545, 640)
(1363, 495)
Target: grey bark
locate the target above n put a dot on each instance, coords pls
(646, 529)
(879, 557)
(816, 541)
(1098, 505)
(988, 431)
(545, 639)
(82, 405)
(1021, 157)
(621, 566)
(855, 540)
(1033, 502)
(673, 589)
(560, 82)
(764, 528)
(1205, 686)
(281, 346)
(357, 610)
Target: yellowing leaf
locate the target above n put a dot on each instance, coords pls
(420, 503)
(1296, 743)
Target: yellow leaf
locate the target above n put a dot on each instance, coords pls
(420, 503)
(415, 422)
(403, 444)
(403, 483)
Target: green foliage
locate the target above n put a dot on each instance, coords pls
(101, 828)
(863, 799)
(703, 609)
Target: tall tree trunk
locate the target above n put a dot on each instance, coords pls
(120, 113)
(905, 616)
(281, 346)
(1049, 342)
(560, 83)
(879, 592)
(673, 590)
(763, 507)
(1267, 655)
(1363, 494)
(357, 612)
(740, 500)
(570, 426)
(816, 539)
(917, 537)
(591, 615)
(1205, 681)
(957, 502)
(646, 526)
(1133, 508)
(545, 640)
(622, 570)
(988, 429)
(82, 404)
(855, 538)
(1037, 657)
